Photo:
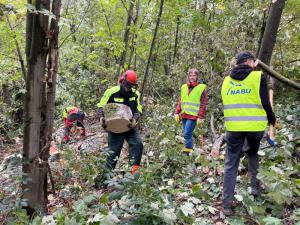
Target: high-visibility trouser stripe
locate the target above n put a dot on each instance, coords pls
(190, 110)
(243, 106)
(245, 118)
(190, 103)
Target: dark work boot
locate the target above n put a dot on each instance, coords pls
(255, 190)
(227, 211)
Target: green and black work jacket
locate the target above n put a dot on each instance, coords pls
(117, 94)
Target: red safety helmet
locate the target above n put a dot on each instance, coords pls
(131, 77)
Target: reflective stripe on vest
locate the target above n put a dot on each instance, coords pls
(243, 110)
(245, 118)
(190, 103)
(246, 106)
(119, 99)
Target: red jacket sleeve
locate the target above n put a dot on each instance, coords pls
(178, 107)
(203, 104)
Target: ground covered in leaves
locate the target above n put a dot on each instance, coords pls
(170, 188)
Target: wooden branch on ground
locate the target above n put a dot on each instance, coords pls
(218, 140)
(51, 179)
(278, 76)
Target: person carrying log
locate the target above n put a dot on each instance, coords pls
(191, 108)
(72, 115)
(247, 111)
(126, 94)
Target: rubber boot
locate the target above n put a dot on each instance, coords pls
(187, 151)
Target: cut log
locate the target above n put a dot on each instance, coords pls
(117, 117)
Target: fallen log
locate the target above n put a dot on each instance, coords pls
(278, 76)
(117, 117)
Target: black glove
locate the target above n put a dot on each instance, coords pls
(136, 115)
(100, 113)
(102, 121)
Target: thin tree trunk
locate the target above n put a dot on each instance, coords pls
(152, 46)
(6, 95)
(134, 36)
(34, 167)
(270, 32)
(269, 37)
(176, 39)
(126, 38)
(53, 61)
(18, 50)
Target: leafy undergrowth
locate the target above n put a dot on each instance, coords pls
(172, 188)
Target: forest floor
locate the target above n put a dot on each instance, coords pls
(169, 189)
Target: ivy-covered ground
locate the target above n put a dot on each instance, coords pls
(170, 188)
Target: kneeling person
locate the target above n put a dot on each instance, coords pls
(71, 115)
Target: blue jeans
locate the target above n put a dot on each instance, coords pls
(188, 128)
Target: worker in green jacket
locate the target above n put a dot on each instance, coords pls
(126, 94)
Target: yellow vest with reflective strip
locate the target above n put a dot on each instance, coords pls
(190, 103)
(68, 109)
(115, 89)
(243, 110)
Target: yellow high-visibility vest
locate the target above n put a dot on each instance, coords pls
(109, 92)
(190, 103)
(71, 110)
(243, 110)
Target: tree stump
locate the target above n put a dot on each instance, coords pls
(117, 117)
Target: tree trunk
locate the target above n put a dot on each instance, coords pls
(6, 95)
(270, 32)
(34, 167)
(176, 39)
(18, 50)
(53, 59)
(269, 37)
(126, 38)
(152, 46)
(134, 35)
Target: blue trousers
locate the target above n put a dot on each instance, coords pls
(188, 128)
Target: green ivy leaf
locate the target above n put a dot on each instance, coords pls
(272, 221)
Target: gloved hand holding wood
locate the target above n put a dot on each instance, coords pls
(133, 123)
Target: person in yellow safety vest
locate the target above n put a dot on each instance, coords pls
(191, 107)
(71, 115)
(247, 111)
(124, 93)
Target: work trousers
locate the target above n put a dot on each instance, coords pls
(239, 143)
(115, 144)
